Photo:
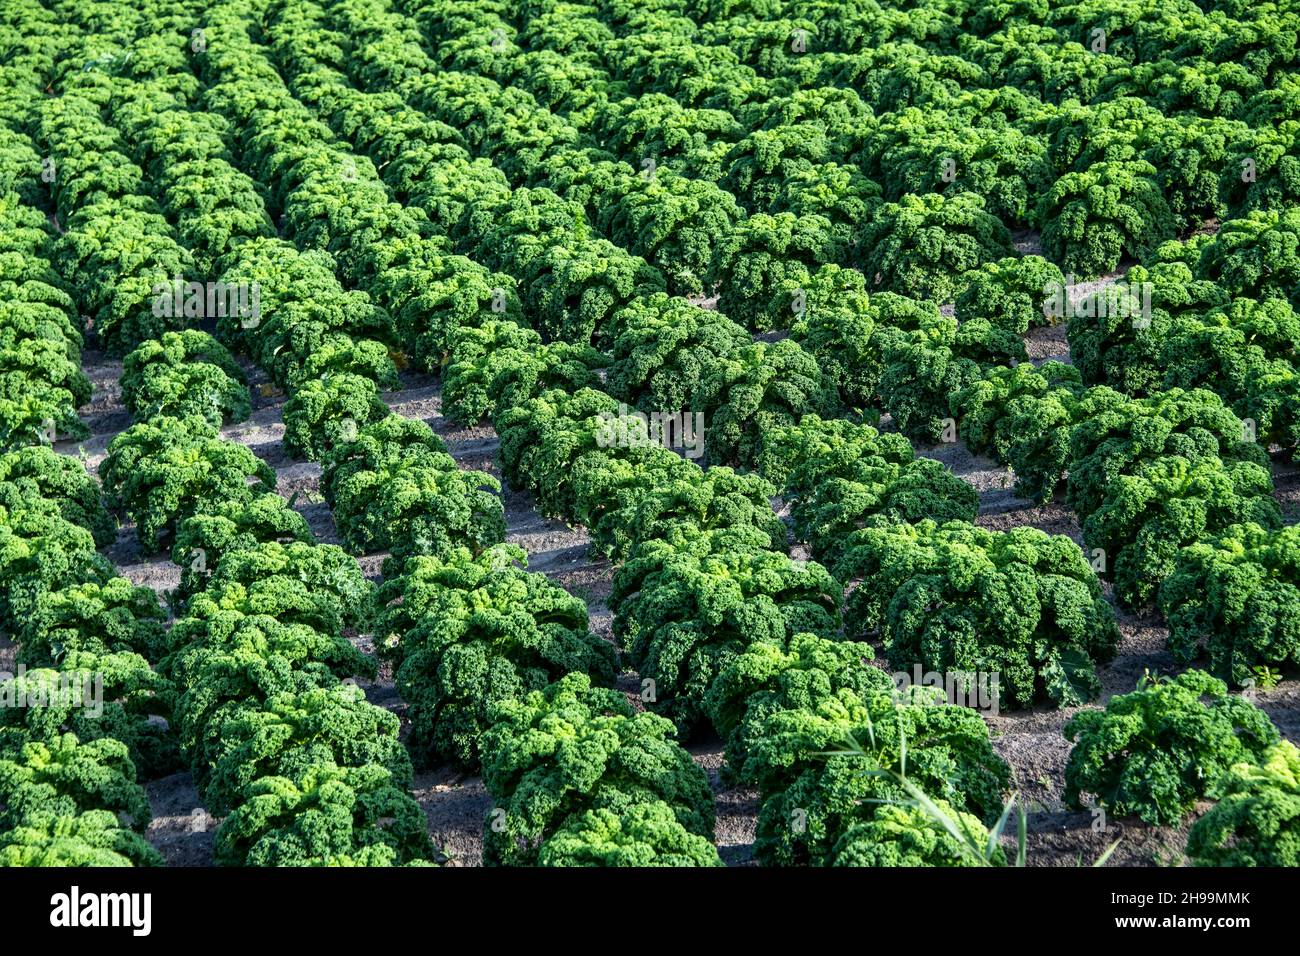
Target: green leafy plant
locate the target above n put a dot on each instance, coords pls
(114, 616)
(647, 834)
(184, 373)
(393, 486)
(201, 540)
(921, 245)
(925, 366)
(684, 605)
(1009, 293)
(39, 473)
(956, 598)
(664, 348)
(1234, 597)
(293, 731)
(1154, 752)
(763, 260)
(845, 476)
(1022, 415)
(557, 753)
(324, 815)
(1256, 818)
(825, 771)
(165, 470)
(760, 387)
(327, 412)
(92, 838)
(1113, 210)
(470, 632)
(42, 552)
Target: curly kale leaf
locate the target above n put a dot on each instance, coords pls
(1256, 821)
(1236, 597)
(1154, 752)
(185, 373)
(470, 632)
(684, 605)
(38, 472)
(558, 752)
(165, 470)
(325, 815)
(647, 834)
(961, 600)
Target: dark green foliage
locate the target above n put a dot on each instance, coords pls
(119, 253)
(926, 365)
(559, 752)
(848, 332)
(290, 733)
(394, 487)
(1009, 293)
(471, 632)
(623, 503)
(838, 193)
(1149, 515)
(1225, 348)
(901, 834)
(38, 473)
(837, 325)
(1152, 475)
(433, 300)
(1256, 821)
(303, 307)
(573, 288)
(1236, 597)
(93, 838)
(812, 796)
(40, 390)
(685, 605)
(297, 581)
(1257, 257)
(759, 265)
(231, 526)
(65, 776)
(922, 150)
(664, 348)
(543, 440)
(328, 412)
(1115, 434)
(959, 599)
(340, 354)
(1276, 183)
(1113, 339)
(111, 617)
(165, 470)
(502, 364)
(1022, 416)
(95, 695)
(182, 374)
(760, 163)
(1093, 219)
(41, 552)
(761, 386)
(847, 476)
(647, 834)
(324, 815)
(675, 222)
(920, 245)
(477, 356)
(1154, 752)
(769, 677)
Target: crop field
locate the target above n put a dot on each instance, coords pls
(686, 433)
